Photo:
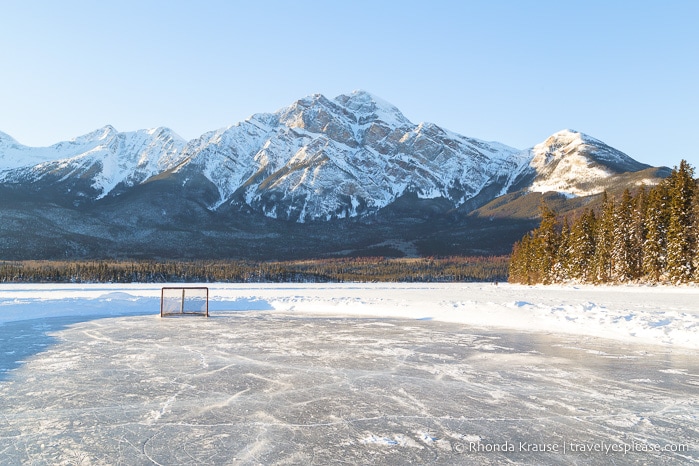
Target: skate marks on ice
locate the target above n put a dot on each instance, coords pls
(269, 388)
(21, 340)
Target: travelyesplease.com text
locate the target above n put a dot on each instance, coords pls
(567, 447)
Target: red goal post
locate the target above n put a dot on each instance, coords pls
(184, 300)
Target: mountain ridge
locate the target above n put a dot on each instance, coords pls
(318, 162)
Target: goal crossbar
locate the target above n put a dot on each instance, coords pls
(184, 300)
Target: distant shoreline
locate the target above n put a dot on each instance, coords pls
(334, 270)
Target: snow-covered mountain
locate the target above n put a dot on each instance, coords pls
(99, 162)
(15, 155)
(574, 164)
(317, 159)
(278, 185)
(355, 154)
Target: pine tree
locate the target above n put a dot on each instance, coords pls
(695, 229)
(604, 235)
(562, 263)
(654, 256)
(623, 253)
(639, 227)
(546, 241)
(524, 264)
(534, 257)
(582, 247)
(681, 236)
(518, 267)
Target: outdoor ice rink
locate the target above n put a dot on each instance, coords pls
(301, 378)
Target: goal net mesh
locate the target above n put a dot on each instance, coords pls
(187, 300)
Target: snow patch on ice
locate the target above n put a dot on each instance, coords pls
(393, 440)
(674, 371)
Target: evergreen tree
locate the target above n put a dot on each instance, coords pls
(695, 229)
(639, 221)
(656, 224)
(582, 247)
(562, 264)
(681, 236)
(604, 238)
(534, 257)
(623, 254)
(546, 241)
(520, 265)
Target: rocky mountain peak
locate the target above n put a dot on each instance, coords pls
(574, 163)
(6, 140)
(369, 108)
(102, 134)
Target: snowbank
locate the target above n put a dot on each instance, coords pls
(648, 315)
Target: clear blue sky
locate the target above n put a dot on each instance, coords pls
(625, 72)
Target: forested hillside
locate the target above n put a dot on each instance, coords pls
(647, 236)
(363, 269)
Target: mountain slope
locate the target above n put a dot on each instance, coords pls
(321, 177)
(93, 165)
(320, 159)
(317, 159)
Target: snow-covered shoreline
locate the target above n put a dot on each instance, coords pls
(637, 314)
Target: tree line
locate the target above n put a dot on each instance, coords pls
(362, 269)
(648, 236)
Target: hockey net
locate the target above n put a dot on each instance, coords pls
(184, 300)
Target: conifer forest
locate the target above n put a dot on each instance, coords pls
(353, 269)
(646, 236)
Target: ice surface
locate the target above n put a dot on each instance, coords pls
(355, 373)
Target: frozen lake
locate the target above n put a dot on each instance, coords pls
(302, 379)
